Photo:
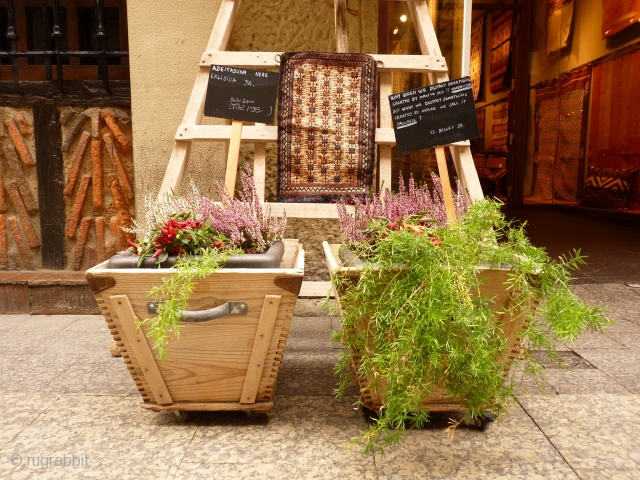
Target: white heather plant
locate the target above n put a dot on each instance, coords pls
(242, 220)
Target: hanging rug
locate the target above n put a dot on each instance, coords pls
(326, 126)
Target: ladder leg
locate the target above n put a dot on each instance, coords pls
(463, 160)
(193, 114)
(446, 184)
(260, 167)
(232, 157)
(340, 15)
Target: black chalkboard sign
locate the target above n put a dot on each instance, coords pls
(241, 94)
(434, 115)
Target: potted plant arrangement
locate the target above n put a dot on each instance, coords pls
(434, 311)
(200, 305)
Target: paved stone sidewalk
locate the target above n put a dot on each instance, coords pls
(62, 394)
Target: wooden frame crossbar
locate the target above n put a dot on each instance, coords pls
(269, 60)
(430, 62)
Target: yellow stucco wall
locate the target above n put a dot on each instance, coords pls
(165, 43)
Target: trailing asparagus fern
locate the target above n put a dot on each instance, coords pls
(414, 320)
(174, 292)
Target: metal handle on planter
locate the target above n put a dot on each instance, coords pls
(228, 308)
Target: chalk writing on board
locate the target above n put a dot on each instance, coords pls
(434, 115)
(241, 94)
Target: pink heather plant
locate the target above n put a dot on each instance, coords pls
(243, 220)
(394, 207)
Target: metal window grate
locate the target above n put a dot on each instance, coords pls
(54, 51)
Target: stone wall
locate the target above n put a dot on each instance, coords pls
(55, 147)
(296, 26)
(20, 236)
(99, 194)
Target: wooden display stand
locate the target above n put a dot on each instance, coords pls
(431, 62)
(232, 363)
(191, 130)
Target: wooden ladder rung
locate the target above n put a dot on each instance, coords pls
(270, 60)
(263, 133)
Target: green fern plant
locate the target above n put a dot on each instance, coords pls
(415, 320)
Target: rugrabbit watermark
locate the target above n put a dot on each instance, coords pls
(51, 461)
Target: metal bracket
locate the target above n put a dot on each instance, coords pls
(228, 308)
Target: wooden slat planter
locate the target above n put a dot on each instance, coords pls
(230, 363)
(493, 286)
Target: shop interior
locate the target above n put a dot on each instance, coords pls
(555, 98)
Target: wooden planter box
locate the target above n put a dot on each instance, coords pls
(230, 363)
(493, 287)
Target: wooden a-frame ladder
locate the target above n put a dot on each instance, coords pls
(431, 62)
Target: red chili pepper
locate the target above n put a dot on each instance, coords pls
(157, 254)
(134, 245)
(172, 231)
(164, 231)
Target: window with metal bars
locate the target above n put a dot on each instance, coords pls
(42, 40)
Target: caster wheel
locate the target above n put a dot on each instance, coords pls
(371, 415)
(483, 422)
(251, 414)
(182, 416)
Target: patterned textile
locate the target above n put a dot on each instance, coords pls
(546, 142)
(478, 143)
(501, 31)
(326, 126)
(475, 63)
(618, 15)
(608, 188)
(559, 21)
(500, 131)
(560, 138)
(614, 136)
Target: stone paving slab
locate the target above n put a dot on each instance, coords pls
(119, 439)
(621, 365)
(597, 435)
(62, 393)
(305, 433)
(513, 448)
(19, 410)
(582, 381)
